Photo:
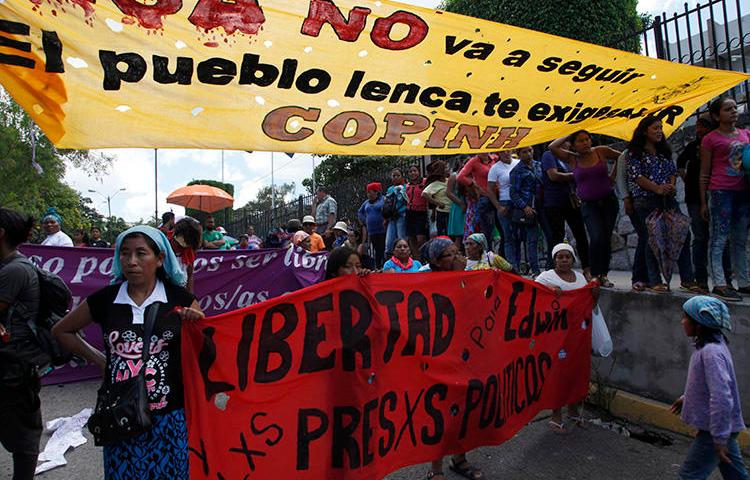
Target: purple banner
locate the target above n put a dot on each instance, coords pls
(225, 280)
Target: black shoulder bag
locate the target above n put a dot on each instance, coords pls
(122, 407)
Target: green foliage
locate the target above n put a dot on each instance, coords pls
(262, 202)
(32, 191)
(340, 169)
(612, 23)
(221, 216)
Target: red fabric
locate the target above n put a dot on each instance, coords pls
(186, 254)
(374, 186)
(356, 377)
(402, 266)
(414, 193)
(475, 170)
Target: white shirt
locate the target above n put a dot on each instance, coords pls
(550, 278)
(158, 295)
(500, 174)
(59, 239)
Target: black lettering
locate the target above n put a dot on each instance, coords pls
(305, 435)
(441, 391)
(206, 359)
(260, 431)
(489, 401)
(384, 446)
(367, 454)
(216, 71)
(250, 68)
(525, 327)
(390, 298)
(549, 64)
(409, 422)
(243, 350)
(343, 437)
(53, 48)
(271, 342)
(473, 399)
(313, 81)
(443, 310)
(113, 76)
(510, 334)
(418, 316)
(249, 454)
(354, 338)
(182, 75)
(315, 334)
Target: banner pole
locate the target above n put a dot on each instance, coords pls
(156, 186)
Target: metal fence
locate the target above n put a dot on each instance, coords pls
(715, 34)
(349, 194)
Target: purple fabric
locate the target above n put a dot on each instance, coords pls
(224, 281)
(712, 399)
(593, 182)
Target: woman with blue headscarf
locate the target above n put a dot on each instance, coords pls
(52, 226)
(145, 271)
(711, 402)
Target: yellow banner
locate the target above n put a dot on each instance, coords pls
(321, 76)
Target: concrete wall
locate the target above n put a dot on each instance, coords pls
(651, 352)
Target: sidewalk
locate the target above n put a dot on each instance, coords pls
(535, 453)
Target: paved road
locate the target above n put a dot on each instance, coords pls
(535, 453)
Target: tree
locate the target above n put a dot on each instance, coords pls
(612, 23)
(262, 202)
(340, 169)
(33, 170)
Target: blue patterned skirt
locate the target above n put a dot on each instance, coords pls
(160, 453)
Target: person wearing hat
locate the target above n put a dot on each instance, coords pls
(341, 232)
(563, 278)
(316, 241)
(711, 403)
(52, 225)
(301, 239)
(371, 215)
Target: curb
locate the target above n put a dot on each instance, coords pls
(642, 410)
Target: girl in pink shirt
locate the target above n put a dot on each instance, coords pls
(728, 202)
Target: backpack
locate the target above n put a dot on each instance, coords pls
(390, 208)
(55, 299)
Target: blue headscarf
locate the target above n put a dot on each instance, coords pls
(52, 212)
(709, 312)
(433, 249)
(171, 265)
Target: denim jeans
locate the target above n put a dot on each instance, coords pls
(506, 230)
(600, 217)
(640, 272)
(396, 230)
(644, 206)
(702, 460)
(486, 213)
(700, 229)
(730, 217)
(530, 235)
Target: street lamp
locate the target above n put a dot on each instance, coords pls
(109, 200)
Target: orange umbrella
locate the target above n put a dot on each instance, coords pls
(201, 197)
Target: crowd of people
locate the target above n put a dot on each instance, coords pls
(490, 212)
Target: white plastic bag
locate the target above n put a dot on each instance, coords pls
(601, 341)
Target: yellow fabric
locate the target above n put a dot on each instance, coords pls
(465, 85)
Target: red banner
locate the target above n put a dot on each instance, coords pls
(356, 377)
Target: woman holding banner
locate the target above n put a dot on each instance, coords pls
(444, 256)
(595, 187)
(563, 278)
(401, 261)
(146, 272)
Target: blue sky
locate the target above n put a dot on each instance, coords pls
(133, 169)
